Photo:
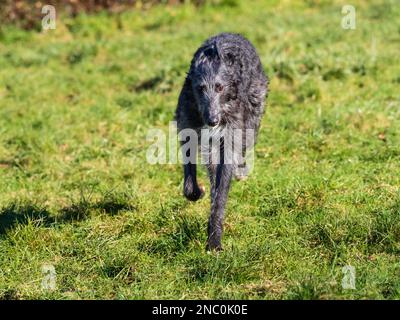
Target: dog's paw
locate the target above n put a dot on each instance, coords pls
(193, 193)
(213, 247)
(241, 172)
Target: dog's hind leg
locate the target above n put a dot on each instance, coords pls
(241, 170)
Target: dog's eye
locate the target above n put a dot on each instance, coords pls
(218, 87)
(201, 88)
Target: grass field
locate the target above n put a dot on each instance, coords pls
(76, 192)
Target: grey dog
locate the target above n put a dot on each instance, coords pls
(224, 90)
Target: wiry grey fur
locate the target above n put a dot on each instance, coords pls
(224, 90)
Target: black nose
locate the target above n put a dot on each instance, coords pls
(212, 122)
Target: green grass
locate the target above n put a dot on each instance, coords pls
(76, 191)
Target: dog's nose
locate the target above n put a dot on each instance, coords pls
(212, 122)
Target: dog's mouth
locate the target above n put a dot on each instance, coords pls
(212, 125)
(212, 122)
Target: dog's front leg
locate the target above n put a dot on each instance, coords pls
(191, 189)
(219, 194)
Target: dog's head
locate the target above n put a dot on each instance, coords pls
(214, 83)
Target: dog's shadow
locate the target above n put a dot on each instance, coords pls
(17, 214)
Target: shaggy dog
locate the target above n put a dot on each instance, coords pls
(222, 102)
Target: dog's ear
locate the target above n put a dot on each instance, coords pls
(209, 53)
(229, 59)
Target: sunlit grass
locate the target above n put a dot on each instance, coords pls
(76, 192)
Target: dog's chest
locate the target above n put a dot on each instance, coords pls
(220, 144)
